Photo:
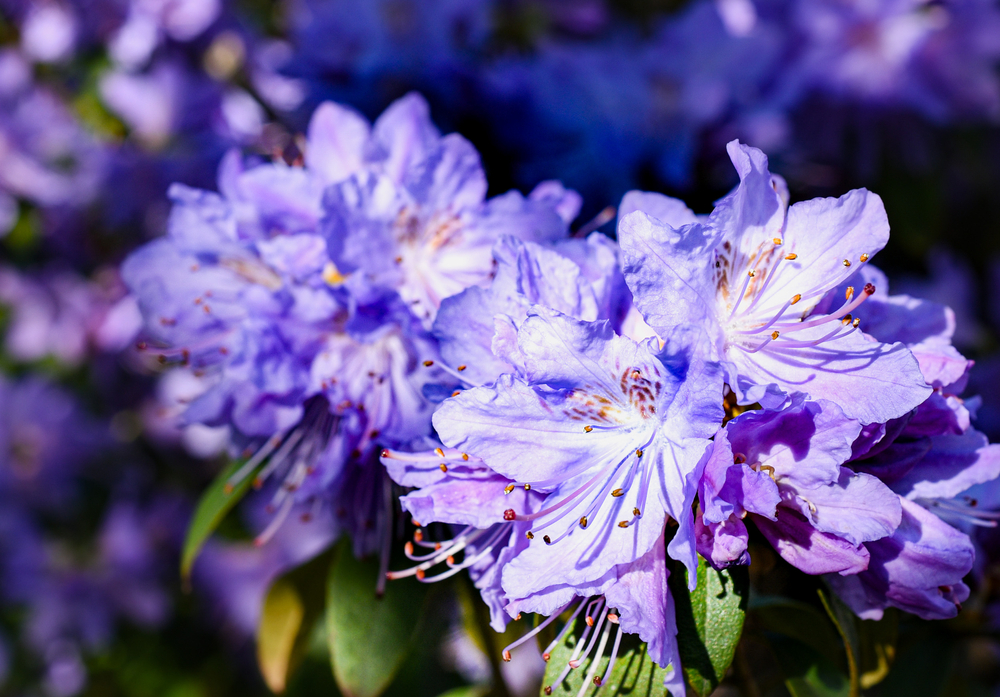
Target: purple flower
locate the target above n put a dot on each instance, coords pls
(427, 233)
(477, 328)
(937, 58)
(750, 279)
(785, 468)
(587, 415)
(454, 487)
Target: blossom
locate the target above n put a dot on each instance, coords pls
(429, 233)
(476, 329)
(749, 281)
(786, 468)
(591, 410)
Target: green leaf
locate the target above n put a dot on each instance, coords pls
(709, 621)
(807, 672)
(633, 674)
(798, 621)
(846, 623)
(213, 506)
(280, 624)
(291, 609)
(878, 647)
(369, 637)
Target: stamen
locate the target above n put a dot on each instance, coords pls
(614, 652)
(549, 620)
(591, 674)
(547, 653)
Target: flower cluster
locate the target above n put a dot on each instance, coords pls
(577, 410)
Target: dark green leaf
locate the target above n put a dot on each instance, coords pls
(807, 672)
(369, 637)
(709, 621)
(633, 674)
(213, 506)
(846, 623)
(799, 621)
(877, 647)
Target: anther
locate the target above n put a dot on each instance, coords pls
(590, 621)
(547, 540)
(846, 320)
(450, 560)
(456, 393)
(850, 292)
(777, 240)
(636, 511)
(791, 257)
(465, 456)
(527, 487)
(752, 273)
(795, 298)
(408, 547)
(856, 322)
(439, 452)
(775, 334)
(588, 429)
(461, 368)
(507, 489)
(864, 257)
(418, 535)
(597, 680)
(509, 514)
(506, 656)
(428, 364)
(623, 523)
(870, 288)
(444, 467)
(612, 618)
(638, 452)
(618, 492)
(420, 574)
(547, 690)
(583, 522)
(847, 262)
(530, 535)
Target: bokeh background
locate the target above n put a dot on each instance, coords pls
(105, 103)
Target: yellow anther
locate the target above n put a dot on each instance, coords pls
(618, 492)
(583, 522)
(856, 322)
(864, 258)
(530, 535)
(509, 488)
(462, 367)
(850, 292)
(623, 523)
(588, 429)
(792, 257)
(846, 320)
(465, 456)
(332, 275)
(636, 511)
(775, 334)
(795, 298)
(638, 452)
(444, 467)
(428, 364)
(751, 273)
(439, 452)
(777, 240)
(847, 262)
